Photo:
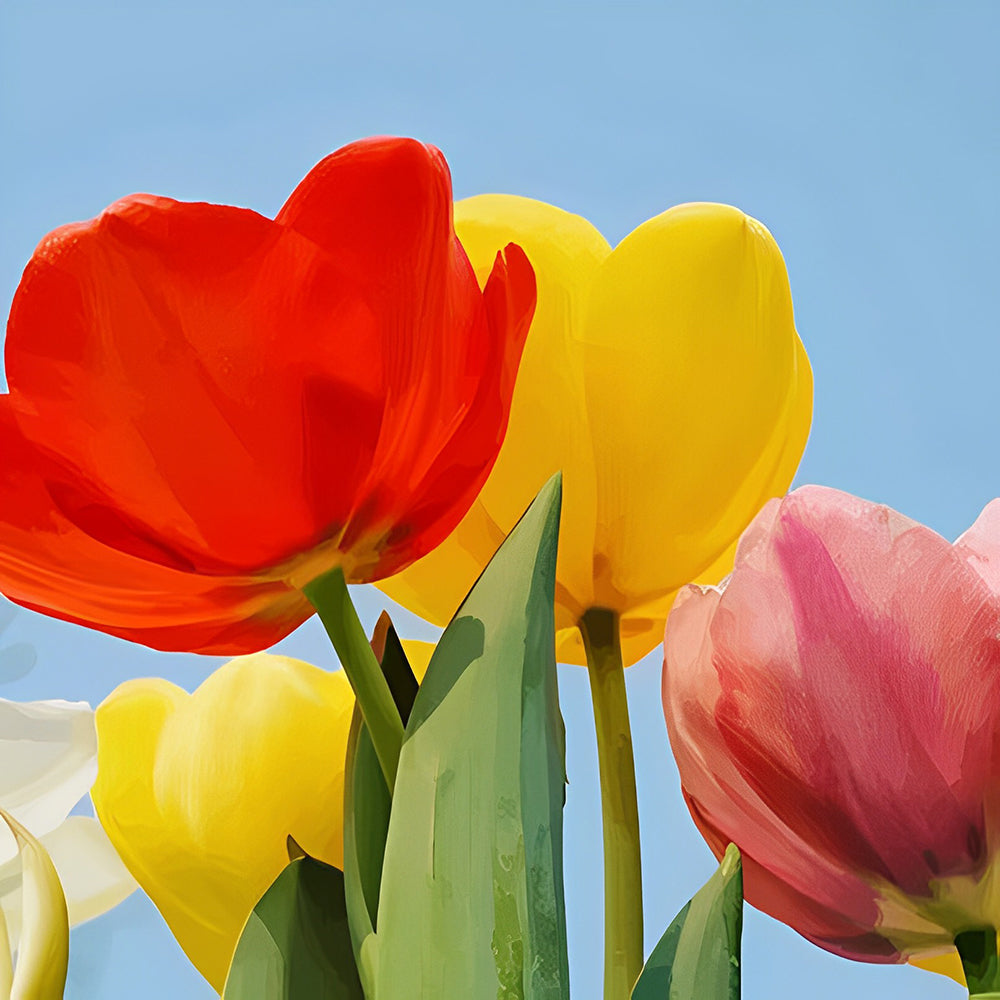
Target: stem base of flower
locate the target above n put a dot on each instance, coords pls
(329, 596)
(978, 952)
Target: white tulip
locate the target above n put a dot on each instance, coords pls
(48, 762)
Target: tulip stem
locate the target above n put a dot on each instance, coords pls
(978, 952)
(329, 596)
(619, 805)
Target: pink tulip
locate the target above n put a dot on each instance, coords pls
(834, 708)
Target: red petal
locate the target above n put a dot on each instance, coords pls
(48, 564)
(460, 469)
(182, 359)
(382, 209)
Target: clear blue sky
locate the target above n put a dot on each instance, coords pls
(865, 135)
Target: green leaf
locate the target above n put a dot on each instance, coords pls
(296, 944)
(367, 802)
(698, 957)
(472, 886)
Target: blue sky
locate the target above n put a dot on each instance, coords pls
(864, 135)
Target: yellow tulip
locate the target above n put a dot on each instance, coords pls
(199, 793)
(667, 381)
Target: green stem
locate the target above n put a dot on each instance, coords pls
(619, 806)
(328, 595)
(978, 952)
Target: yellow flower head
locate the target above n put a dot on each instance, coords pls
(667, 381)
(199, 793)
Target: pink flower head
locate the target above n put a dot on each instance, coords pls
(834, 708)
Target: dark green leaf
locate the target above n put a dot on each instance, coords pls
(698, 958)
(367, 802)
(296, 944)
(472, 887)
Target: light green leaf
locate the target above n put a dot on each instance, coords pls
(296, 944)
(698, 957)
(43, 950)
(471, 898)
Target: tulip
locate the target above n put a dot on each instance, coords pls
(667, 382)
(200, 792)
(210, 409)
(665, 378)
(48, 760)
(834, 709)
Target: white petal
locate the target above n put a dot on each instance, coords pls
(48, 761)
(92, 875)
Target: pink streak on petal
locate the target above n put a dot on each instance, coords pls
(725, 807)
(859, 667)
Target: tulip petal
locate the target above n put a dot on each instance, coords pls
(93, 878)
(418, 654)
(43, 944)
(185, 478)
(199, 793)
(49, 564)
(48, 761)
(382, 209)
(948, 964)
(726, 808)
(690, 447)
(981, 545)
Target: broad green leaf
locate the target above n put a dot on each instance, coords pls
(296, 944)
(367, 802)
(471, 900)
(43, 950)
(698, 957)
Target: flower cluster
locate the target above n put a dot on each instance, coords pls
(552, 448)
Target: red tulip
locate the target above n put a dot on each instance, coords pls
(209, 408)
(834, 708)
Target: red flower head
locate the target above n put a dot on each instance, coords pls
(209, 408)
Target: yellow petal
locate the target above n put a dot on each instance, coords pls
(948, 964)
(547, 428)
(698, 392)
(43, 948)
(418, 653)
(199, 792)
(667, 381)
